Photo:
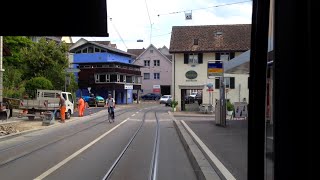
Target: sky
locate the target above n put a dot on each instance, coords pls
(152, 20)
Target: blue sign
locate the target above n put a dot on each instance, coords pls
(215, 69)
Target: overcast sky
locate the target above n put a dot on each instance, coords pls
(130, 20)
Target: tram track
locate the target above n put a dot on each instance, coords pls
(3, 163)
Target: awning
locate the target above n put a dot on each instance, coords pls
(239, 64)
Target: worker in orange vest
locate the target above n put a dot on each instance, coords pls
(81, 106)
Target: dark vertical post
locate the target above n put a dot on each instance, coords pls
(293, 112)
(257, 89)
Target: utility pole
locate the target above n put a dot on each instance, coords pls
(4, 112)
(1, 69)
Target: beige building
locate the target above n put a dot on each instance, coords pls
(192, 47)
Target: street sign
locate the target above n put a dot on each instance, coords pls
(215, 69)
(72, 70)
(128, 86)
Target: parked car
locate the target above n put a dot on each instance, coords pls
(198, 98)
(164, 99)
(168, 103)
(151, 96)
(193, 94)
(100, 101)
(96, 101)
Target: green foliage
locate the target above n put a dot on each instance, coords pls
(230, 106)
(47, 59)
(13, 85)
(174, 103)
(38, 83)
(15, 44)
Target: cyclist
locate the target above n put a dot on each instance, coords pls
(111, 105)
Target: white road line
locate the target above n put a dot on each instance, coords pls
(133, 114)
(137, 112)
(54, 168)
(226, 173)
(134, 119)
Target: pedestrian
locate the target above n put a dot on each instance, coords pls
(63, 107)
(81, 106)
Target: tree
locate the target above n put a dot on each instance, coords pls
(13, 84)
(15, 44)
(47, 59)
(38, 83)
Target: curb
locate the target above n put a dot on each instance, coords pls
(200, 164)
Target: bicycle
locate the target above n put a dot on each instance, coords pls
(110, 115)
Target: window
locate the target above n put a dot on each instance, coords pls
(113, 78)
(121, 78)
(156, 62)
(146, 75)
(85, 50)
(90, 49)
(102, 78)
(195, 41)
(193, 58)
(70, 98)
(103, 50)
(138, 80)
(225, 56)
(146, 62)
(228, 81)
(128, 79)
(151, 51)
(96, 49)
(156, 76)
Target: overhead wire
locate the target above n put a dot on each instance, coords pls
(228, 4)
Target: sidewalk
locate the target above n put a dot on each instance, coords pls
(225, 148)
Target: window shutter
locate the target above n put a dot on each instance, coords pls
(200, 58)
(232, 82)
(217, 83)
(186, 58)
(248, 82)
(231, 55)
(217, 56)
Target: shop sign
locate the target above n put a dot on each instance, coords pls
(191, 74)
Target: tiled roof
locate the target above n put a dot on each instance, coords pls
(233, 37)
(136, 52)
(102, 42)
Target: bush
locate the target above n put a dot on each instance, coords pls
(38, 83)
(174, 103)
(230, 106)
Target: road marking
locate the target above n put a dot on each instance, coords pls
(137, 112)
(226, 173)
(57, 166)
(134, 119)
(133, 114)
(165, 120)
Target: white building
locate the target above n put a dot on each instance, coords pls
(192, 47)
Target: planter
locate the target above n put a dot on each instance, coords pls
(229, 113)
(174, 109)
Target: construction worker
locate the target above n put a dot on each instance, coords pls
(63, 107)
(81, 106)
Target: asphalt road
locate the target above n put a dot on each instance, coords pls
(86, 149)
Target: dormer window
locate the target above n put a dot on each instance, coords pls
(195, 41)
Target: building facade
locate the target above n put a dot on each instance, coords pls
(156, 70)
(193, 47)
(105, 70)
